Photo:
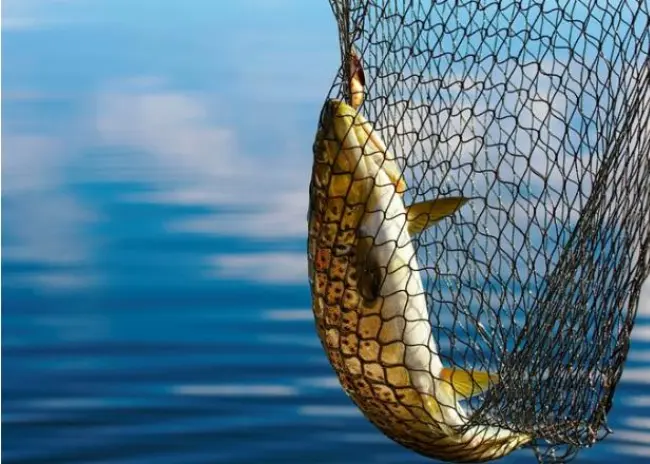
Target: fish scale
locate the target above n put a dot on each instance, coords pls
(366, 348)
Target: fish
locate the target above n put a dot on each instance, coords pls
(369, 303)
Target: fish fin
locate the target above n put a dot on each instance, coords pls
(369, 275)
(468, 384)
(421, 216)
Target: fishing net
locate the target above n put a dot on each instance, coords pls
(539, 112)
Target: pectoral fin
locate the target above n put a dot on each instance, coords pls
(369, 275)
(421, 216)
(468, 384)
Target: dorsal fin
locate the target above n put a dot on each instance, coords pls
(420, 216)
(369, 275)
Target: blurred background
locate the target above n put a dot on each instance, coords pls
(156, 159)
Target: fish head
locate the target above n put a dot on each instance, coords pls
(347, 186)
(338, 126)
(341, 170)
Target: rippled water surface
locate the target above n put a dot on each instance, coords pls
(153, 153)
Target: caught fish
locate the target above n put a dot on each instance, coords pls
(369, 301)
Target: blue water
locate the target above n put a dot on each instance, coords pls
(155, 301)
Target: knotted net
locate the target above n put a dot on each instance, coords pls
(539, 112)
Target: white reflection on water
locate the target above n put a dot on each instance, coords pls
(633, 436)
(639, 355)
(322, 382)
(641, 332)
(234, 390)
(70, 403)
(636, 400)
(278, 268)
(330, 411)
(290, 315)
(638, 422)
(362, 438)
(293, 340)
(636, 375)
(633, 450)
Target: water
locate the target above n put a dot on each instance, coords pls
(153, 155)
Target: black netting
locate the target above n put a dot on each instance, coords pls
(536, 113)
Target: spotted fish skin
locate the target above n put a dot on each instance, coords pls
(368, 301)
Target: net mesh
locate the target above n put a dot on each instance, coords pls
(539, 113)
